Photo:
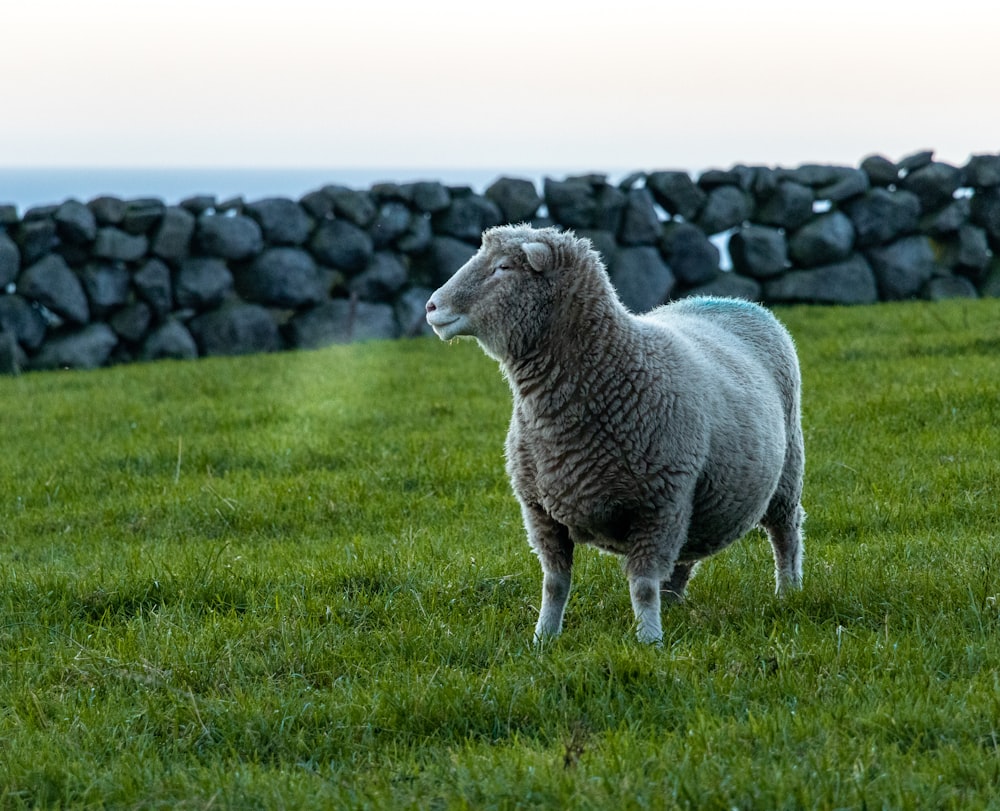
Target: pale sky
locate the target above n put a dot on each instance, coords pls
(519, 84)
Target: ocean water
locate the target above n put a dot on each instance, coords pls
(29, 187)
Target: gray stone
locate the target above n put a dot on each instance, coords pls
(571, 202)
(918, 160)
(729, 285)
(639, 223)
(171, 340)
(75, 223)
(632, 180)
(411, 312)
(880, 170)
(8, 215)
(391, 222)
(198, 204)
(760, 181)
(152, 283)
(202, 283)
(725, 208)
(934, 184)
(853, 184)
(142, 215)
(115, 245)
(386, 191)
(428, 196)
(107, 288)
(36, 240)
(107, 210)
(641, 277)
(848, 282)
(342, 245)
(131, 322)
(467, 217)
(281, 277)
(36, 213)
(692, 257)
(356, 206)
(317, 204)
(446, 255)
(18, 317)
(173, 238)
(418, 236)
(88, 348)
(946, 287)
(611, 205)
(236, 329)
(52, 284)
(12, 357)
(237, 237)
(714, 178)
(676, 193)
(790, 206)
(881, 216)
(517, 199)
(990, 286)
(282, 221)
(603, 242)
(973, 248)
(232, 206)
(827, 239)
(759, 251)
(342, 321)
(903, 267)
(986, 214)
(948, 220)
(10, 261)
(384, 277)
(817, 175)
(983, 171)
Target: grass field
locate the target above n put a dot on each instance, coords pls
(300, 581)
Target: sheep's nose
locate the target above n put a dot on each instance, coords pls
(431, 306)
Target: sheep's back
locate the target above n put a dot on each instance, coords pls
(733, 337)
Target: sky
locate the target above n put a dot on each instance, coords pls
(520, 85)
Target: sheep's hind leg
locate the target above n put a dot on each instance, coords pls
(555, 594)
(672, 589)
(783, 523)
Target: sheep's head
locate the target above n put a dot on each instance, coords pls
(504, 296)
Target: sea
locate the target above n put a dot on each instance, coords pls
(26, 188)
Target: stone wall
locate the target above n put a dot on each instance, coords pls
(109, 281)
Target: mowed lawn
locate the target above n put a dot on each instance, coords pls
(300, 581)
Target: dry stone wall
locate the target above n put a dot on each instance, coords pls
(84, 285)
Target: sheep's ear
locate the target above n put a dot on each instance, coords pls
(539, 255)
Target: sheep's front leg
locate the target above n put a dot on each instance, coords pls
(653, 554)
(552, 544)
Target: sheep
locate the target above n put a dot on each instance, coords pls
(662, 437)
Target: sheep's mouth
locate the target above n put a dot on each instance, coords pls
(445, 326)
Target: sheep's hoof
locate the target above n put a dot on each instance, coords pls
(788, 587)
(540, 637)
(656, 640)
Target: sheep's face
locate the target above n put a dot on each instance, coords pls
(503, 296)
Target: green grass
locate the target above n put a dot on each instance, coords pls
(300, 581)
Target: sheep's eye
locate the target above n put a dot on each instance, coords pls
(501, 268)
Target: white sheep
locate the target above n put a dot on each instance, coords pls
(661, 437)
